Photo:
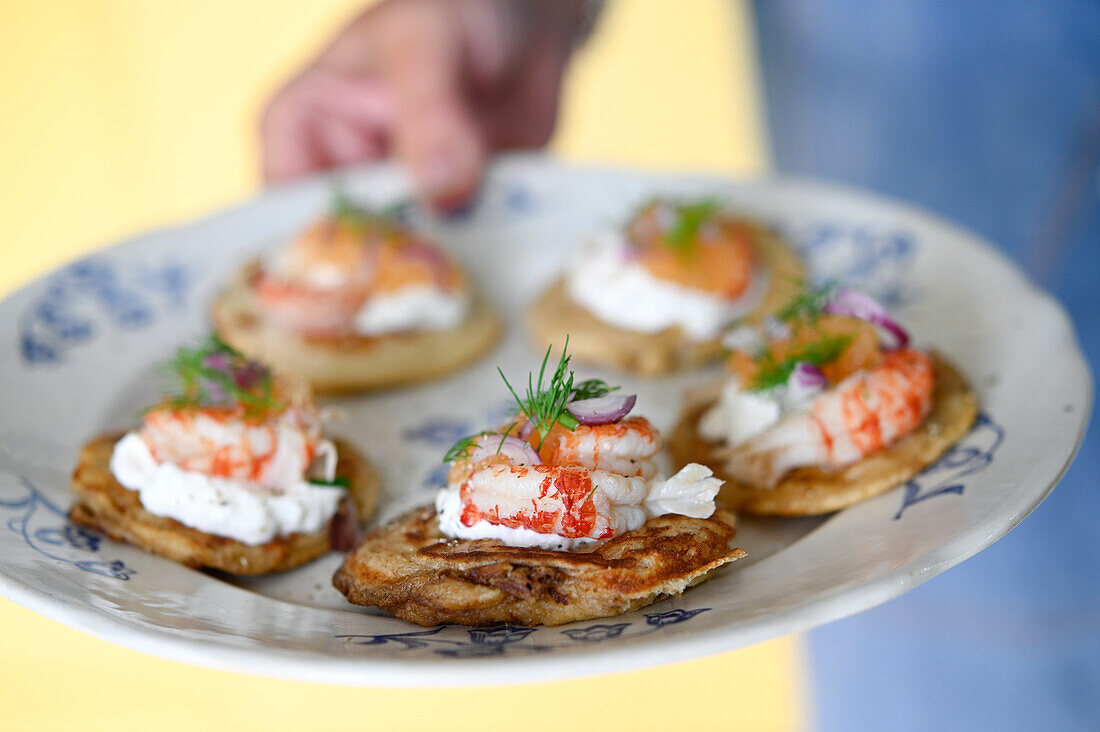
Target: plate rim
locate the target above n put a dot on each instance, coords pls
(584, 661)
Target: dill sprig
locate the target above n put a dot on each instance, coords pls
(461, 449)
(690, 217)
(217, 375)
(345, 210)
(776, 373)
(544, 403)
(544, 406)
(591, 389)
(808, 304)
(339, 481)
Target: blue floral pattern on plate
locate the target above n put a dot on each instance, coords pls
(79, 299)
(448, 640)
(59, 541)
(973, 453)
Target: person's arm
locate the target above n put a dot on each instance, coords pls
(436, 83)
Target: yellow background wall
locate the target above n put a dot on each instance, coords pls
(119, 115)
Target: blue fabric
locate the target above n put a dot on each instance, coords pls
(987, 113)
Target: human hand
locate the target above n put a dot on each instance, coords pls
(436, 83)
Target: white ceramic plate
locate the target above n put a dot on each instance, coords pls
(81, 344)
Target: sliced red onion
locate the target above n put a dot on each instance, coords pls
(250, 374)
(602, 410)
(518, 451)
(215, 392)
(219, 361)
(808, 375)
(344, 528)
(864, 307)
(805, 382)
(626, 250)
(526, 430)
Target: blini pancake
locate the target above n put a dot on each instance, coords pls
(411, 570)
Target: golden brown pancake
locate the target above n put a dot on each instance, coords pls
(555, 315)
(355, 362)
(810, 491)
(411, 570)
(105, 505)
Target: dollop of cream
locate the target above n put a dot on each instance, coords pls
(448, 506)
(416, 307)
(740, 414)
(235, 509)
(606, 279)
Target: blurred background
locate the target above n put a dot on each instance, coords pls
(122, 115)
(126, 114)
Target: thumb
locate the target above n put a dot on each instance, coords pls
(434, 132)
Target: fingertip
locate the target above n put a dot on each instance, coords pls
(287, 139)
(449, 173)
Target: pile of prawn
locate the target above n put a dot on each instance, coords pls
(318, 284)
(594, 482)
(221, 442)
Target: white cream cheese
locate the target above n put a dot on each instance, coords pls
(235, 509)
(416, 307)
(740, 415)
(448, 506)
(632, 501)
(606, 280)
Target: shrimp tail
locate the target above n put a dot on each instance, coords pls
(755, 467)
(690, 493)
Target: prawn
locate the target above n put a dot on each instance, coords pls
(219, 443)
(578, 503)
(318, 284)
(869, 410)
(626, 447)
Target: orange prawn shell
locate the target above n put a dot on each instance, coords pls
(235, 460)
(719, 260)
(560, 445)
(905, 381)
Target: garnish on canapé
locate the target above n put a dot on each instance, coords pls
(571, 467)
(232, 452)
(570, 479)
(694, 245)
(358, 299)
(215, 375)
(829, 382)
(544, 406)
